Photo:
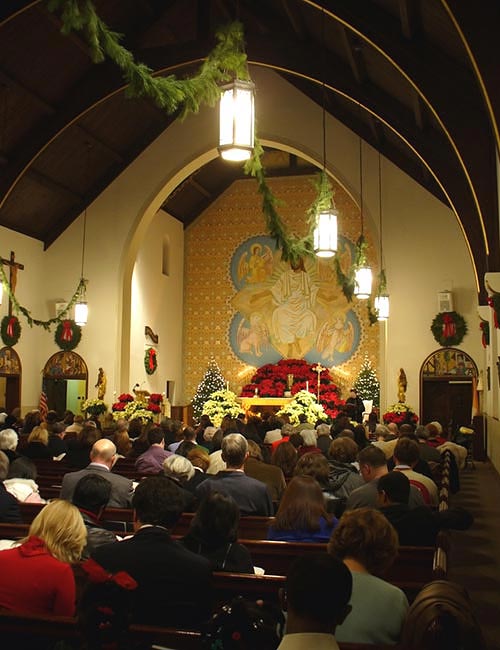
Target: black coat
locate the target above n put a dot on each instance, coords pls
(9, 507)
(175, 585)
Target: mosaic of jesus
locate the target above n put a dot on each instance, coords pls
(290, 311)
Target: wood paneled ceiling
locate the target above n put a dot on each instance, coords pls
(426, 74)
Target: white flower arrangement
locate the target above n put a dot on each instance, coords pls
(219, 404)
(94, 406)
(305, 403)
(134, 410)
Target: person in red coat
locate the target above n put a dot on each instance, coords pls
(36, 577)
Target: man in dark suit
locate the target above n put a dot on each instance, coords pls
(174, 584)
(102, 459)
(251, 495)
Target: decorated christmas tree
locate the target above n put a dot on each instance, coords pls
(212, 381)
(367, 384)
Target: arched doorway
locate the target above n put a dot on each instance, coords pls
(65, 377)
(447, 385)
(10, 379)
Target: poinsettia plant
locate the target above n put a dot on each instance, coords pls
(272, 380)
(400, 414)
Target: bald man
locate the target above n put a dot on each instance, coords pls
(102, 459)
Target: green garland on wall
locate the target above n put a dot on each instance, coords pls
(46, 324)
(226, 61)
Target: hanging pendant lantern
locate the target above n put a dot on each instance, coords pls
(363, 282)
(325, 234)
(81, 308)
(236, 121)
(382, 307)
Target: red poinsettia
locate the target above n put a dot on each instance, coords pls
(156, 398)
(126, 397)
(271, 380)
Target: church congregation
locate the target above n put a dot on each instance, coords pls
(345, 503)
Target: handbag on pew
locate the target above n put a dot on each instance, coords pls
(244, 623)
(441, 618)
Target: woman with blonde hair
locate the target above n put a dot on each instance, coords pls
(37, 447)
(368, 545)
(36, 577)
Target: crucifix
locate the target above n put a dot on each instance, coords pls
(13, 269)
(319, 369)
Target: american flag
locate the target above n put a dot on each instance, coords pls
(42, 404)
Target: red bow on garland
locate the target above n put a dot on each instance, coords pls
(10, 326)
(152, 359)
(491, 303)
(98, 574)
(449, 327)
(67, 333)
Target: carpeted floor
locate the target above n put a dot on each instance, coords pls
(475, 554)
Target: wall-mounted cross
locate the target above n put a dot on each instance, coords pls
(13, 268)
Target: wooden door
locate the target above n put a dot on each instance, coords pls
(12, 393)
(449, 401)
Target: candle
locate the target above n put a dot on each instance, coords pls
(307, 385)
(227, 385)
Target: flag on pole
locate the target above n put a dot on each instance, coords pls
(42, 404)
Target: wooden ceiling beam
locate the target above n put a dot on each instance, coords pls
(98, 85)
(40, 103)
(52, 185)
(97, 142)
(410, 18)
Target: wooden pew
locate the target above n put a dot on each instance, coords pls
(45, 630)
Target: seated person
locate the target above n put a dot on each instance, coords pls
(368, 545)
(21, 483)
(8, 443)
(91, 496)
(9, 505)
(174, 584)
(36, 577)
(214, 533)
(316, 599)
(252, 496)
(302, 515)
(415, 526)
(151, 461)
(406, 457)
(37, 446)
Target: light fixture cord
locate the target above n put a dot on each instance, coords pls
(361, 182)
(323, 86)
(86, 175)
(380, 206)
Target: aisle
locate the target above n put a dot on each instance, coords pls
(475, 558)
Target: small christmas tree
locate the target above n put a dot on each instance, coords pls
(367, 384)
(212, 381)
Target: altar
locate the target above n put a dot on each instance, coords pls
(263, 405)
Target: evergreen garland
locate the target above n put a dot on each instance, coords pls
(212, 381)
(46, 324)
(367, 384)
(227, 60)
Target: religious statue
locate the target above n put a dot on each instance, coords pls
(402, 386)
(101, 384)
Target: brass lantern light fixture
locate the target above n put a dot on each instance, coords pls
(325, 231)
(237, 120)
